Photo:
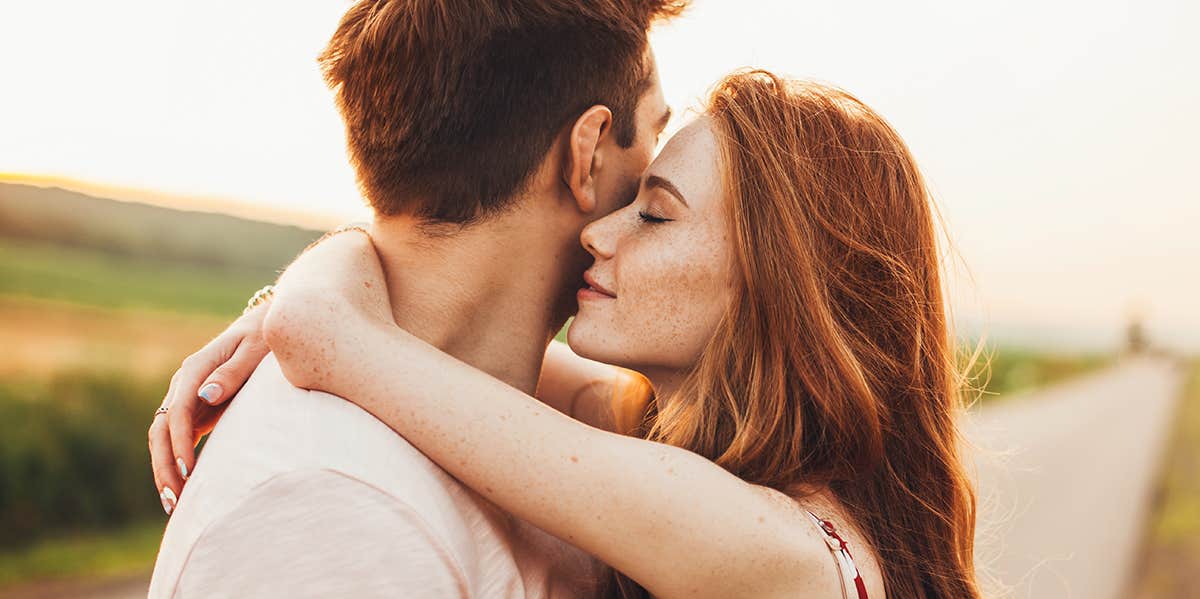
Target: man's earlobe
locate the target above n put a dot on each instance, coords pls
(585, 157)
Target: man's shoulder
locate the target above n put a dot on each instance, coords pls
(292, 428)
(272, 427)
(281, 449)
(317, 531)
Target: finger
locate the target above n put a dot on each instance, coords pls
(228, 378)
(185, 411)
(182, 402)
(166, 479)
(181, 424)
(157, 434)
(202, 363)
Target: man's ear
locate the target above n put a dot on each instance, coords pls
(584, 157)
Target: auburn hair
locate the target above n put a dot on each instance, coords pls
(835, 364)
(450, 105)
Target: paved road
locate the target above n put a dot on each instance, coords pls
(1062, 508)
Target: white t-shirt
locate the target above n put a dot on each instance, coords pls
(303, 494)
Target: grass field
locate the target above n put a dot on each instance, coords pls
(47, 271)
(89, 339)
(1171, 563)
(1007, 371)
(98, 554)
(45, 337)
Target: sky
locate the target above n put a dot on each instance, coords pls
(1059, 137)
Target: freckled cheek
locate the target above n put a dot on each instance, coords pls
(669, 300)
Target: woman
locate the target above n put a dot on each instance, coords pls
(805, 390)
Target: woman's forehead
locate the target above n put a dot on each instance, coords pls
(691, 159)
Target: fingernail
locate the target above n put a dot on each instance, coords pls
(211, 393)
(168, 500)
(182, 468)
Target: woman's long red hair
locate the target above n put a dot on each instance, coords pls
(835, 364)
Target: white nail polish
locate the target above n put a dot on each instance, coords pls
(210, 393)
(183, 472)
(168, 500)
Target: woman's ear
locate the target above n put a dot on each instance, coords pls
(584, 155)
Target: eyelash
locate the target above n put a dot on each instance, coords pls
(648, 218)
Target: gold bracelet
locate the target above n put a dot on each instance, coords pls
(259, 297)
(268, 291)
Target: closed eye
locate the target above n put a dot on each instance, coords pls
(650, 218)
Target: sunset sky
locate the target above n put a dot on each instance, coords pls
(1060, 137)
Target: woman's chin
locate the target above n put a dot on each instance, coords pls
(583, 340)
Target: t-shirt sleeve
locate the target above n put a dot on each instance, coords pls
(320, 534)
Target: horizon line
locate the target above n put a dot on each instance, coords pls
(240, 208)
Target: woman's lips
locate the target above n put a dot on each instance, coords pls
(593, 290)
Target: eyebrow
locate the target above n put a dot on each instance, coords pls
(653, 181)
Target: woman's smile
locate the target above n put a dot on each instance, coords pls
(593, 290)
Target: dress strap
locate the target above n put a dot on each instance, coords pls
(841, 554)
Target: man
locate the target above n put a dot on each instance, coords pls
(485, 135)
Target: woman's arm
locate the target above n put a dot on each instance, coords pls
(578, 387)
(591, 392)
(672, 520)
(583, 389)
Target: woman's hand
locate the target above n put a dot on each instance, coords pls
(207, 379)
(197, 397)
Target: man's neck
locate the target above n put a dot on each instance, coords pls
(491, 295)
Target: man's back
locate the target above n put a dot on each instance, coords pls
(301, 493)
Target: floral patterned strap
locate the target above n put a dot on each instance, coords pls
(841, 553)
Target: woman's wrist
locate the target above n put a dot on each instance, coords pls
(259, 298)
(363, 228)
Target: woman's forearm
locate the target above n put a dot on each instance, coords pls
(630, 502)
(593, 393)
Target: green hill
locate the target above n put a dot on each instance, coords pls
(72, 219)
(67, 246)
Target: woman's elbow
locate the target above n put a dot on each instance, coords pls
(292, 329)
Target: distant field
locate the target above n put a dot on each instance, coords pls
(47, 271)
(98, 554)
(1011, 370)
(40, 338)
(71, 219)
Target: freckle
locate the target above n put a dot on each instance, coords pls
(670, 471)
(574, 459)
(367, 284)
(489, 490)
(760, 520)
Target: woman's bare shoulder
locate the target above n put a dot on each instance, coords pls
(811, 559)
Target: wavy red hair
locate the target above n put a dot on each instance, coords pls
(835, 364)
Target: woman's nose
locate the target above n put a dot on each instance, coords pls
(597, 237)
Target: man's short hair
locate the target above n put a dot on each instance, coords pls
(450, 105)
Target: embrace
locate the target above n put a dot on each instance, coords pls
(760, 393)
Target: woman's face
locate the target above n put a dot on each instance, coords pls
(663, 273)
